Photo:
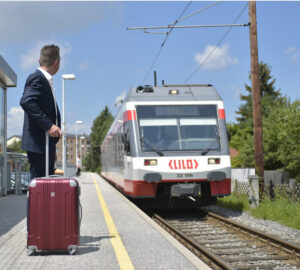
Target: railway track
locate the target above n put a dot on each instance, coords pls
(225, 244)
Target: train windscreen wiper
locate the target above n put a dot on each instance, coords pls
(151, 146)
(206, 150)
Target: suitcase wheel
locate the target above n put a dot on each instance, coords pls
(72, 250)
(30, 251)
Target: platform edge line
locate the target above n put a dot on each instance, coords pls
(123, 258)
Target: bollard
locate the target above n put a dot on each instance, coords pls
(253, 190)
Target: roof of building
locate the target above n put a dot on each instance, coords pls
(15, 136)
(233, 152)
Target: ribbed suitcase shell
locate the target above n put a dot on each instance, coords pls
(53, 218)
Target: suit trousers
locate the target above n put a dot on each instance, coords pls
(37, 163)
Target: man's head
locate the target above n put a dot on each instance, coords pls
(50, 59)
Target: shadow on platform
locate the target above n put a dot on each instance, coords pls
(13, 209)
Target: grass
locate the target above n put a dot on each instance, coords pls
(237, 202)
(282, 210)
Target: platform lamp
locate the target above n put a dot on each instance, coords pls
(64, 160)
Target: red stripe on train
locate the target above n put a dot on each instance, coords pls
(129, 115)
(221, 114)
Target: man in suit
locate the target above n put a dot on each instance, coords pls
(41, 113)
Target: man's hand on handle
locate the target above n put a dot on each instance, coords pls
(54, 131)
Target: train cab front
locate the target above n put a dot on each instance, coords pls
(183, 155)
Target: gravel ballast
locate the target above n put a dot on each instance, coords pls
(271, 227)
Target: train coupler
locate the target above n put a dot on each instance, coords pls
(185, 190)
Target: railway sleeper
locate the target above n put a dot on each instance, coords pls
(204, 242)
(229, 246)
(256, 267)
(220, 236)
(257, 258)
(239, 252)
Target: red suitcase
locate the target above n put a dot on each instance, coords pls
(53, 214)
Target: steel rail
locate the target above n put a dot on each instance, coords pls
(268, 237)
(214, 258)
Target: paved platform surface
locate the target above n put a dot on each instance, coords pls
(114, 235)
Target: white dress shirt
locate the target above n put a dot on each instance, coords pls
(50, 80)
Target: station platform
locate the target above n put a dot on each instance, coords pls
(114, 234)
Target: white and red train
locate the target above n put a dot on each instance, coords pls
(168, 146)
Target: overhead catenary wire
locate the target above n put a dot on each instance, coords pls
(163, 43)
(218, 44)
(202, 9)
(177, 21)
(152, 32)
(171, 26)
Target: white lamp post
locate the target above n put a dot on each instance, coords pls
(77, 123)
(64, 77)
(81, 138)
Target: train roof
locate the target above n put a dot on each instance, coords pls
(185, 92)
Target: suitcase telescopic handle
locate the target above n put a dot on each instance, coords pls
(47, 155)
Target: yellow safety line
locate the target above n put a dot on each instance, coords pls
(116, 241)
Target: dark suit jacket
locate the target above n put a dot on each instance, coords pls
(39, 113)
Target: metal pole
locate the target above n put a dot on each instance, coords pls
(5, 143)
(63, 128)
(76, 143)
(15, 162)
(155, 82)
(81, 148)
(256, 99)
(20, 176)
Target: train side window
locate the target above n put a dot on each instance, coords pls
(126, 140)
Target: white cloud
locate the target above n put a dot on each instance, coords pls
(84, 65)
(31, 58)
(215, 57)
(120, 98)
(292, 52)
(25, 21)
(15, 120)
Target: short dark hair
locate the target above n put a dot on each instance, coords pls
(49, 54)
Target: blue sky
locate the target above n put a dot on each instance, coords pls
(108, 59)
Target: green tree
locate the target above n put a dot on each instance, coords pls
(289, 139)
(269, 96)
(242, 139)
(100, 127)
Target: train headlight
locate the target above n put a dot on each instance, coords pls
(150, 162)
(212, 161)
(173, 92)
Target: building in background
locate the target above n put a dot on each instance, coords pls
(83, 143)
(13, 139)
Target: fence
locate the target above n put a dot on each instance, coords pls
(287, 191)
(18, 176)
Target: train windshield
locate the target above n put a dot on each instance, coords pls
(178, 128)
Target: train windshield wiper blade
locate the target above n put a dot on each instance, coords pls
(206, 150)
(152, 147)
